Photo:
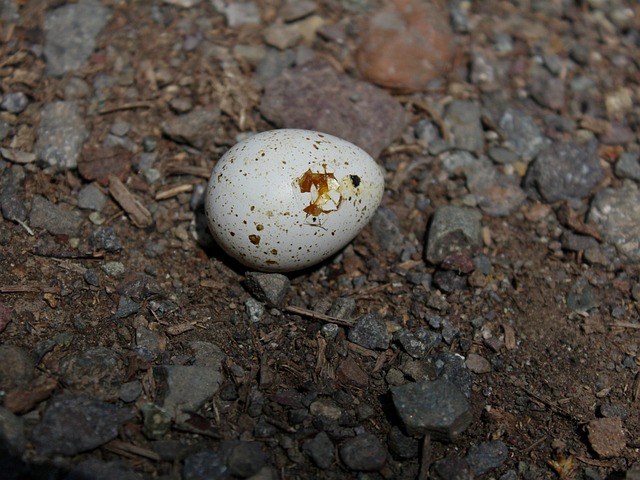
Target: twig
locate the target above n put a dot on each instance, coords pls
(626, 325)
(130, 450)
(552, 405)
(25, 226)
(425, 458)
(173, 191)
(435, 116)
(535, 444)
(125, 106)
(318, 316)
(29, 288)
(636, 387)
(189, 170)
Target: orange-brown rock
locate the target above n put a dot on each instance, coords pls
(406, 44)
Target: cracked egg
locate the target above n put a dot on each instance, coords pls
(284, 200)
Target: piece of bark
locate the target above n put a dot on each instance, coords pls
(138, 213)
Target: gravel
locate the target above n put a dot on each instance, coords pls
(506, 244)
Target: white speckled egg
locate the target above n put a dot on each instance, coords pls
(286, 199)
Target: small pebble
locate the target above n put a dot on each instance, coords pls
(14, 102)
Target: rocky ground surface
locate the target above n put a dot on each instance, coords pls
(484, 325)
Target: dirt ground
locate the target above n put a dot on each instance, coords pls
(564, 332)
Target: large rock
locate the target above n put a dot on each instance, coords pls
(406, 44)
(453, 230)
(435, 407)
(316, 97)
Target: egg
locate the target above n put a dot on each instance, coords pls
(287, 199)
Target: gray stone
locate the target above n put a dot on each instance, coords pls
(255, 310)
(113, 269)
(321, 450)
(316, 97)
(633, 473)
(282, 36)
(410, 343)
(105, 238)
(617, 214)
(272, 64)
(496, 194)
(205, 465)
(14, 102)
(402, 446)
(12, 206)
(53, 218)
(434, 407)
(548, 91)
(386, 229)
(564, 171)
(193, 128)
(94, 372)
(16, 367)
(296, 9)
(628, 166)
(462, 118)
(522, 134)
(502, 156)
(207, 354)
(74, 424)
(92, 198)
(130, 391)
(147, 343)
(139, 286)
(12, 437)
(577, 243)
(156, 421)
(270, 288)
(246, 459)
(102, 470)
(342, 308)
(120, 129)
(458, 161)
(186, 387)
(238, 13)
(126, 307)
(71, 33)
(451, 366)
(61, 135)
(370, 331)
(452, 468)
(487, 456)
(363, 453)
(453, 230)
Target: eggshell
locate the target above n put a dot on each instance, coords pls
(286, 199)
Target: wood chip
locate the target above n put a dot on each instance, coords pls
(138, 213)
(17, 156)
(509, 337)
(570, 218)
(181, 328)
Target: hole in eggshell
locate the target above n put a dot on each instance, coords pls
(324, 188)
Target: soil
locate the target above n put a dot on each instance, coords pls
(553, 365)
